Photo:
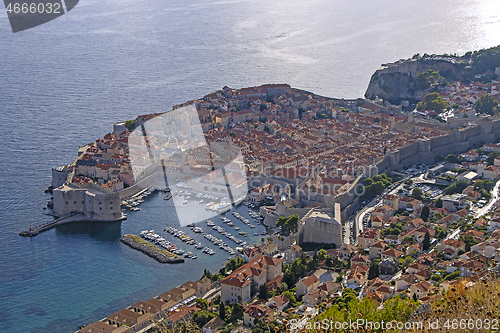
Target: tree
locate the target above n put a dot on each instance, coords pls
(491, 157)
(469, 241)
(237, 312)
(222, 310)
(130, 125)
(424, 215)
(451, 158)
(202, 317)
(202, 303)
(440, 233)
(432, 101)
(288, 224)
(417, 193)
(438, 215)
(264, 292)
(283, 287)
(373, 272)
(322, 255)
(486, 104)
(270, 240)
(288, 294)
(262, 239)
(438, 203)
(485, 184)
(426, 244)
(426, 79)
(377, 120)
(183, 326)
(456, 187)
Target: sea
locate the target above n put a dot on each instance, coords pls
(63, 85)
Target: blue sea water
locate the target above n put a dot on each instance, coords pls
(64, 84)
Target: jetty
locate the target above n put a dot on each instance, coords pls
(71, 218)
(153, 251)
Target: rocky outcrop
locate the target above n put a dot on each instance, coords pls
(396, 82)
(151, 250)
(391, 86)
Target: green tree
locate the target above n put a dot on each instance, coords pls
(486, 104)
(440, 233)
(322, 255)
(202, 303)
(264, 292)
(237, 312)
(417, 193)
(130, 125)
(202, 317)
(485, 184)
(451, 158)
(456, 187)
(377, 120)
(222, 310)
(438, 203)
(426, 79)
(288, 224)
(491, 157)
(424, 215)
(373, 272)
(438, 215)
(288, 294)
(434, 102)
(426, 244)
(469, 241)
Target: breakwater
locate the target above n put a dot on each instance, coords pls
(151, 250)
(70, 218)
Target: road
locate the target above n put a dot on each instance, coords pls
(493, 200)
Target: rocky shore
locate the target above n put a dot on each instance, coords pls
(151, 250)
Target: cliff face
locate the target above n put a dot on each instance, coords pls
(391, 86)
(397, 81)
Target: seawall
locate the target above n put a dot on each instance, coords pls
(151, 250)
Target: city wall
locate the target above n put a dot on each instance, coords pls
(426, 151)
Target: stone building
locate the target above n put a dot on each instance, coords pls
(321, 226)
(91, 200)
